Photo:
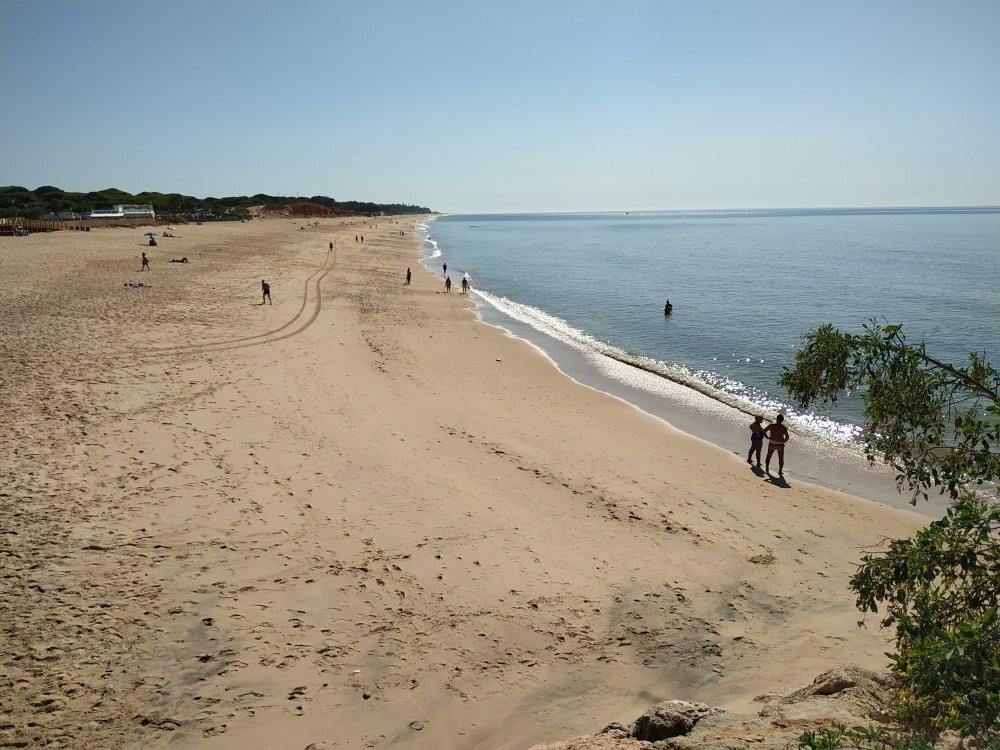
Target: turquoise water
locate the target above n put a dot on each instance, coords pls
(745, 285)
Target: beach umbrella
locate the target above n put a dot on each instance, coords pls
(150, 234)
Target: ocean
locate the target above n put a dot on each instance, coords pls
(746, 286)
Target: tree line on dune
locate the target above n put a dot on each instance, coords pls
(45, 200)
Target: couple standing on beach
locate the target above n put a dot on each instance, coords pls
(777, 436)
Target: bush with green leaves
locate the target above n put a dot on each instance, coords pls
(838, 737)
(938, 425)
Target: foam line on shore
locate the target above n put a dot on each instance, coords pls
(695, 408)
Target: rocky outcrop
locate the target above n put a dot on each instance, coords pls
(851, 695)
(670, 719)
(841, 694)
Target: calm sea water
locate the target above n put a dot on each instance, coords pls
(745, 285)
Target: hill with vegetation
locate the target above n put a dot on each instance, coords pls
(46, 200)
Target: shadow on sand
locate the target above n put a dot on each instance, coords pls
(778, 481)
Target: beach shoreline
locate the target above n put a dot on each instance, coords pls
(360, 516)
(698, 413)
(820, 462)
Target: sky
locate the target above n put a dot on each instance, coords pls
(508, 106)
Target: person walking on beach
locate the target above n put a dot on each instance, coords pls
(465, 285)
(756, 439)
(145, 263)
(407, 276)
(447, 284)
(777, 436)
(331, 248)
(266, 289)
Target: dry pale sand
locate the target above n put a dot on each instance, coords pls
(361, 517)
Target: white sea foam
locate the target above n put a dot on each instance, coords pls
(434, 250)
(620, 365)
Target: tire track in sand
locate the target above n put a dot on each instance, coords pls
(268, 337)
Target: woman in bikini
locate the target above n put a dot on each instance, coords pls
(756, 439)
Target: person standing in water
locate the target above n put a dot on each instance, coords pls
(266, 289)
(444, 269)
(777, 436)
(465, 285)
(756, 439)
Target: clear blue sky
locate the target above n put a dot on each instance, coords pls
(508, 106)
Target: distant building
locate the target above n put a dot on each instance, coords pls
(125, 211)
(62, 216)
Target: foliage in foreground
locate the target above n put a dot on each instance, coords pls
(864, 738)
(935, 423)
(940, 591)
(939, 425)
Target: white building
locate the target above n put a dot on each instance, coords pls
(125, 211)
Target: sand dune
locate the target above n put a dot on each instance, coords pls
(359, 517)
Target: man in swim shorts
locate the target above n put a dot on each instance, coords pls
(266, 289)
(777, 436)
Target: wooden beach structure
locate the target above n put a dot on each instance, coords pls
(17, 225)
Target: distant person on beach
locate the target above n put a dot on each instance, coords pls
(447, 284)
(182, 260)
(331, 247)
(266, 289)
(756, 439)
(777, 436)
(355, 238)
(465, 285)
(407, 276)
(362, 239)
(145, 263)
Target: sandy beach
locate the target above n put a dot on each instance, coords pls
(360, 517)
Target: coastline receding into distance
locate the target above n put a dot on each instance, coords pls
(824, 448)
